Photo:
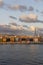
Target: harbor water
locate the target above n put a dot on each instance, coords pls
(17, 54)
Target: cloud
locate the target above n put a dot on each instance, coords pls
(18, 7)
(21, 8)
(31, 8)
(14, 7)
(12, 29)
(12, 23)
(17, 27)
(30, 18)
(38, 0)
(37, 10)
(42, 12)
(12, 17)
(1, 3)
(18, 30)
(25, 26)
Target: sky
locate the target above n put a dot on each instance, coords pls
(22, 12)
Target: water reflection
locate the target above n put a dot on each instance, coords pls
(34, 48)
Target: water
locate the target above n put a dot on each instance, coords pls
(21, 54)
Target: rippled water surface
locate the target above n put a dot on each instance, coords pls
(21, 54)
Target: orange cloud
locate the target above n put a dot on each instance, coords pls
(1, 3)
(32, 16)
(18, 7)
(28, 18)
